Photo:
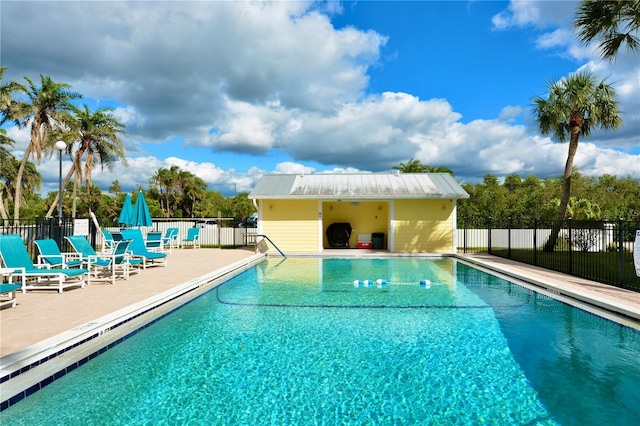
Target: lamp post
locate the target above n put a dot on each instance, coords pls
(60, 146)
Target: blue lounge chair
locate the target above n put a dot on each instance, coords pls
(7, 290)
(51, 255)
(154, 241)
(193, 238)
(104, 267)
(16, 257)
(170, 239)
(8, 294)
(139, 250)
(108, 242)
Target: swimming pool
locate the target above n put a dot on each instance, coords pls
(322, 341)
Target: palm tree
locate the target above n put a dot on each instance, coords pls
(6, 95)
(439, 169)
(612, 23)
(98, 136)
(575, 106)
(415, 166)
(31, 180)
(6, 160)
(193, 190)
(411, 166)
(5, 143)
(45, 109)
(167, 183)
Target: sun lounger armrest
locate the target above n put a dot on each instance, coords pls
(42, 263)
(93, 259)
(22, 272)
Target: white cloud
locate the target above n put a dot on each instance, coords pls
(263, 77)
(535, 13)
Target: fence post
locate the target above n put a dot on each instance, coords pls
(570, 247)
(464, 237)
(535, 242)
(621, 232)
(489, 236)
(509, 237)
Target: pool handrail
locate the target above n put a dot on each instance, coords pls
(272, 243)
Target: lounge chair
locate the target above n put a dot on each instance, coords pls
(15, 256)
(193, 238)
(139, 250)
(8, 294)
(154, 241)
(108, 243)
(104, 267)
(170, 239)
(7, 290)
(51, 256)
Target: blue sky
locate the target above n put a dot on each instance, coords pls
(233, 90)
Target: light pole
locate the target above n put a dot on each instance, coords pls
(60, 146)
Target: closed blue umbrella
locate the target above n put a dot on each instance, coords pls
(126, 214)
(141, 215)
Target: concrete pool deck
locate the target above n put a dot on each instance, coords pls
(42, 314)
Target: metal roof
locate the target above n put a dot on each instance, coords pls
(360, 186)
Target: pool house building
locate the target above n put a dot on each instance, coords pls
(393, 212)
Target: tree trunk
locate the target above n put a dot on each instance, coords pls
(17, 196)
(3, 209)
(566, 190)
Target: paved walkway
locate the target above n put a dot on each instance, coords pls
(45, 313)
(41, 314)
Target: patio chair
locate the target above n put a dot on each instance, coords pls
(139, 250)
(154, 241)
(15, 256)
(193, 238)
(51, 256)
(7, 290)
(8, 294)
(104, 267)
(170, 239)
(108, 243)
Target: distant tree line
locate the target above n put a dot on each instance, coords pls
(523, 199)
(531, 198)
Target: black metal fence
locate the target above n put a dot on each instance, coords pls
(596, 250)
(224, 233)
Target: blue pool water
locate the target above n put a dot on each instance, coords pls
(295, 341)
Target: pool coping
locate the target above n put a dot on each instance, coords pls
(573, 293)
(26, 371)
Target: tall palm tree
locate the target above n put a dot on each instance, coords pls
(612, 23)
(574, 107)
(97, 134)
(45, 109)
(167, 183)
(193, 190)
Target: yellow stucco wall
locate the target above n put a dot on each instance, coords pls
(424, 226)
(291, 224)
(420, 226)
(365, 217)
